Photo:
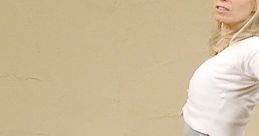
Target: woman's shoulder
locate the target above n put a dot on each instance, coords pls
(247, 49)
(251, 43)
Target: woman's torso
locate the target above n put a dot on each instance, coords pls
(222, 92)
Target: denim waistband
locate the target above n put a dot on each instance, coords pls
(188, 131)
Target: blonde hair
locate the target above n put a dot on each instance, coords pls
(219, 41)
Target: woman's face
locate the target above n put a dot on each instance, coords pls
(231, 12)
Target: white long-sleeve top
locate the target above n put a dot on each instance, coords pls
(224, 90)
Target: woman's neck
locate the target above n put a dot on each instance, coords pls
(227, 29)
(231, 28)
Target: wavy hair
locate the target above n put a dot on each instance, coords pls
(219, 41)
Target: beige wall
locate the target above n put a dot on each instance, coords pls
(99, 68)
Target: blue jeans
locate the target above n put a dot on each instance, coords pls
(188, 131)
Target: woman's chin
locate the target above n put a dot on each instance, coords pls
(223, 20)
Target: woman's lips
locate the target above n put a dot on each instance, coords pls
(222, 8)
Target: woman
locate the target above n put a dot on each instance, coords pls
(225, 88)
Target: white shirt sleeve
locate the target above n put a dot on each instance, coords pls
(253, 61)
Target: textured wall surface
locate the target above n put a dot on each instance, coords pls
(94, 68)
